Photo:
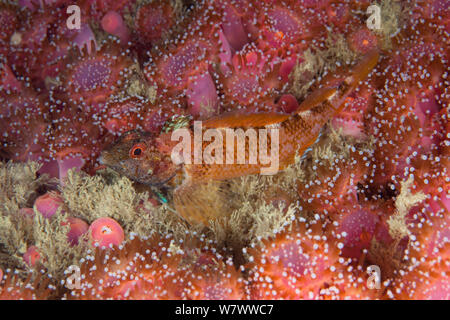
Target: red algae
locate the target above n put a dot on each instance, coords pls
(32, 256)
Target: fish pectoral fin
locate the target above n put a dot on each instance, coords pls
(242, 120)
(201, 203)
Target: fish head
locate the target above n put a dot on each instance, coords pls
(139, 156)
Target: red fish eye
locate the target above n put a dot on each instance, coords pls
(137, 151)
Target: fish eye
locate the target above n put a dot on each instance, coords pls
(137, 151)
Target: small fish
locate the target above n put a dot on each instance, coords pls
(146, 158)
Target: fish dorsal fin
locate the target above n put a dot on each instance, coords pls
(242, 120)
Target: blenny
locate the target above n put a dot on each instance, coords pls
(147, 158)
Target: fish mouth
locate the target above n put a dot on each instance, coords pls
(121, 171)
(105, 159)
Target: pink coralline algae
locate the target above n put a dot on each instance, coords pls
(113, 23)
(106, 232)
(377, 195)
(32, 256)
(77, 228)
(48, 204)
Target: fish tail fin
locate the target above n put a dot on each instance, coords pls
(363, 68)
(357, 74)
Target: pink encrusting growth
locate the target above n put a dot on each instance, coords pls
(85, 40)
(106, 232)
(49, 204)
(148, 269)
(202, 96)
(355, 231)
(153, 20)
(14, 288)
(301, 264)
(8, 81)
(426, 277)
(77, 228)
(351, 120)
(363, 41)
(32, 256)
(64, 165)
(232, 27)
(27, 212)
(142, 269)
(113, 23)
(8, 23)
(293, 266)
